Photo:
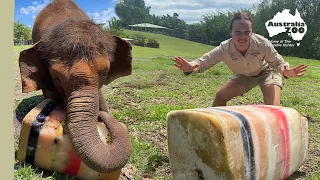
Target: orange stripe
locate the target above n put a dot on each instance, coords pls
(284, 134)
(44, 146)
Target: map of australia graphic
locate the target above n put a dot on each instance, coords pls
(293, 25)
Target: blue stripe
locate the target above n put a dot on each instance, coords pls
(247, 142)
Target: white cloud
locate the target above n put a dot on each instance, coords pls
(102, 16)
(95, 15)
(27, 10)
(192, 10)
(98, 16)
(34, 10)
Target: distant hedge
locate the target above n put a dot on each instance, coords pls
(140, 40)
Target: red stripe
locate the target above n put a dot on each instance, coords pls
(284, 133)
(73, 163)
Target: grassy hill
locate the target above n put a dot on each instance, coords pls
(169, 47)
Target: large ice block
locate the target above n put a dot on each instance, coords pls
(45, 142)
(236, 142)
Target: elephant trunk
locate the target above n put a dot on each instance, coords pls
(83, 113)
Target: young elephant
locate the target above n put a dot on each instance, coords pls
(70, 61)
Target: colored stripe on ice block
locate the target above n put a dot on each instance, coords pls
(73, 163)
(284, 135)
(247, 142)
(35, 130)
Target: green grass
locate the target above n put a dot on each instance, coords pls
(18, 49)
(156, 87)
(143, 99)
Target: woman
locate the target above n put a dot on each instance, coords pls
(253, 60)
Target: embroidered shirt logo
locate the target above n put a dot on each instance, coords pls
(255, 54)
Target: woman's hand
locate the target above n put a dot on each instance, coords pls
(184, 65)
(294, 72)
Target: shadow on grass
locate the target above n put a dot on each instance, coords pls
(296, 175)
(26, 105)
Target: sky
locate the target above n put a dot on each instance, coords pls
(102, 10)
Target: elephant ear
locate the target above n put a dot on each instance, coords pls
(34, 72)
(122, 61)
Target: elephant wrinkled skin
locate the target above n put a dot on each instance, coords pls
(70, 61)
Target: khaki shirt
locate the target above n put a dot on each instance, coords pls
(260, 56)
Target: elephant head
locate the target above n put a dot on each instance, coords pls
(74, 58)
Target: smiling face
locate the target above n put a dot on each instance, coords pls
(241, 33)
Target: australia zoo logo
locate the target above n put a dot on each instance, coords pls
(284, 22)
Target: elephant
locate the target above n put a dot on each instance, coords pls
(71, 59)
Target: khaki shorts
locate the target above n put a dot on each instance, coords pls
(265, 77)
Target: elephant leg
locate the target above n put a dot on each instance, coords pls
(102, 103)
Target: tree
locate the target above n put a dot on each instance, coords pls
(213, 28)
(195, 32)
(21, 31)
(216, 27)
(133, 12)
(114, 25)
(177, 27)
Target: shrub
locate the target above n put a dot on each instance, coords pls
(140, 40)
